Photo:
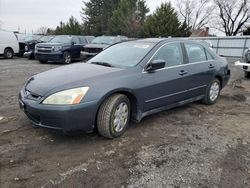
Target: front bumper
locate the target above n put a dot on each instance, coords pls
(28, 54)
(87, 54)
(63, 118)
(55, 56)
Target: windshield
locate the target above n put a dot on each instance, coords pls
(45, 38)
(31, 37)
(127, 54)
(61, 39)
(104, 40)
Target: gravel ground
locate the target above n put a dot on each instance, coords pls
(190, 146)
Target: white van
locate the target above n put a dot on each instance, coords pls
(8, 44)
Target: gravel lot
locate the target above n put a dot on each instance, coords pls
(191, 146)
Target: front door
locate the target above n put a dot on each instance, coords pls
(168, 85)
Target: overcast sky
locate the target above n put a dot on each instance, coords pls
(29, 15)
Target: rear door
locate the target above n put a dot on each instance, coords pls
(201, 68)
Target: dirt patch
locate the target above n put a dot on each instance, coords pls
(190, 146)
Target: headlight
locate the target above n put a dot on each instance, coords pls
(67, 97)
(57, 48)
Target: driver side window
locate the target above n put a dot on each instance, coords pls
(171, 54)
(75, 40)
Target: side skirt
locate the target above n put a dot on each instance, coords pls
(140, 115)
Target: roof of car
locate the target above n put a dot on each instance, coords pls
(158, 40)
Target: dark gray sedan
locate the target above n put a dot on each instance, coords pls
(127, 81)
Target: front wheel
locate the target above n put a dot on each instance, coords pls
(67, 57)
(113, 116)
(8, 53)
(212, 92)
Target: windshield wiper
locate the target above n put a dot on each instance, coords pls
(102, 63)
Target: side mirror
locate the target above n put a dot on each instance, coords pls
(155, 65)
(72, 43)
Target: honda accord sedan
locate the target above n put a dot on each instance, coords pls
(125, 82)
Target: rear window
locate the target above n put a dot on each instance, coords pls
(196, 53)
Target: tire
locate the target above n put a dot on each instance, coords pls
(67, 57)
(115, 109)
(247, 74)
(8, 53)
(43, 61)
(212, 92)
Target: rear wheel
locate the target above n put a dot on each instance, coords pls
(67, 57)
(247, 74)
(212, 93)
(113, 116)
(8, 53)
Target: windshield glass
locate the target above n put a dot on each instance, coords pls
(61, 39)
(104, 40)
(127, 54)
(31, 37)
(45, 38)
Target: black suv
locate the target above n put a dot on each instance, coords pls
(99, 44)
(62, 48)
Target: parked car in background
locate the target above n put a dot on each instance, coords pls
(30, 45)
(22, 39)
(246, 64)
(8, 44)
(99, 44)
(129, 80)
(62, 48)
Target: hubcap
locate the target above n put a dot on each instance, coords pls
(9, 54)
(67, 58)
(214, 91)
(121, 117)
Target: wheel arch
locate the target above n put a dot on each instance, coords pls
(128, 93)
(8, 47)
(220, 79)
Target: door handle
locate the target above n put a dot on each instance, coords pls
(182, 72)
(211, 66)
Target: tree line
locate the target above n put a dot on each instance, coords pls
(131, 18)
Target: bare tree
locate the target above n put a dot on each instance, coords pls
(42, 30)
(195, 13)
(233, 15)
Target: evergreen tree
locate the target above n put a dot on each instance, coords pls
(247, 31)
(128, 18)
(96, 15)
(164, 23)
(72, 27)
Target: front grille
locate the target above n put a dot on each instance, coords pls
(93, 50)
(32, 96)
(44, 49)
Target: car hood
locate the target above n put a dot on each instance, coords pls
(31, 41)
(66, 77)
(96, 46)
